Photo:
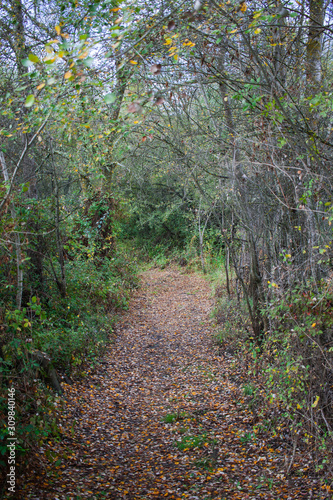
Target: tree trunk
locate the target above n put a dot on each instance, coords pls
(314, 44)
(17, 240)
(62, 283)
(46, 369)
(108, 168)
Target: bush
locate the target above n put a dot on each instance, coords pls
(72, 330)
(298, 360)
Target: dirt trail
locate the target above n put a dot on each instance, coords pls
(163, 365)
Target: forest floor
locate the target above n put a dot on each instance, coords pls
(162, 416)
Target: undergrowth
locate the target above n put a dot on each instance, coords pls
(279, 377)
(71, 331)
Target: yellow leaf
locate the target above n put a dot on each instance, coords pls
(168, 41)
(68, 74)
(233, 31)
(51, 59)
(315, 402)
(134, 62)
(313, 325)
(243, 7)
(256, 15)
(175, 57)
(115, 9)
(41, 86)
(257, 31)
(58, 30)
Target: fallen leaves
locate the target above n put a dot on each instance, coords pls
(161, 418)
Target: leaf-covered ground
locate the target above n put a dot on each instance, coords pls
(161, 418)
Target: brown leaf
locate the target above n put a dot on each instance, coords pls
(135, 107)
(171, 25)
(156, 69)
(159, 100)
(188, 15)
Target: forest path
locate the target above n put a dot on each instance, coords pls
(163, 365)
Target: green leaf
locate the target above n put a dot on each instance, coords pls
(109, 98)
(29, 101)
(27, 62)
(51, 80)
(88, 61)
(33, 58)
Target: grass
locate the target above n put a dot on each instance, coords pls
(191, 442)
(249, 390)
(204, 463)
(246, 438)
(174, 417)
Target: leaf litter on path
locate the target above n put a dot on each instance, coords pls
(160, 417)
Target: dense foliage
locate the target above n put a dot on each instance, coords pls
(203, 131)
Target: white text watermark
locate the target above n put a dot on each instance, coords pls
(11, 478)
